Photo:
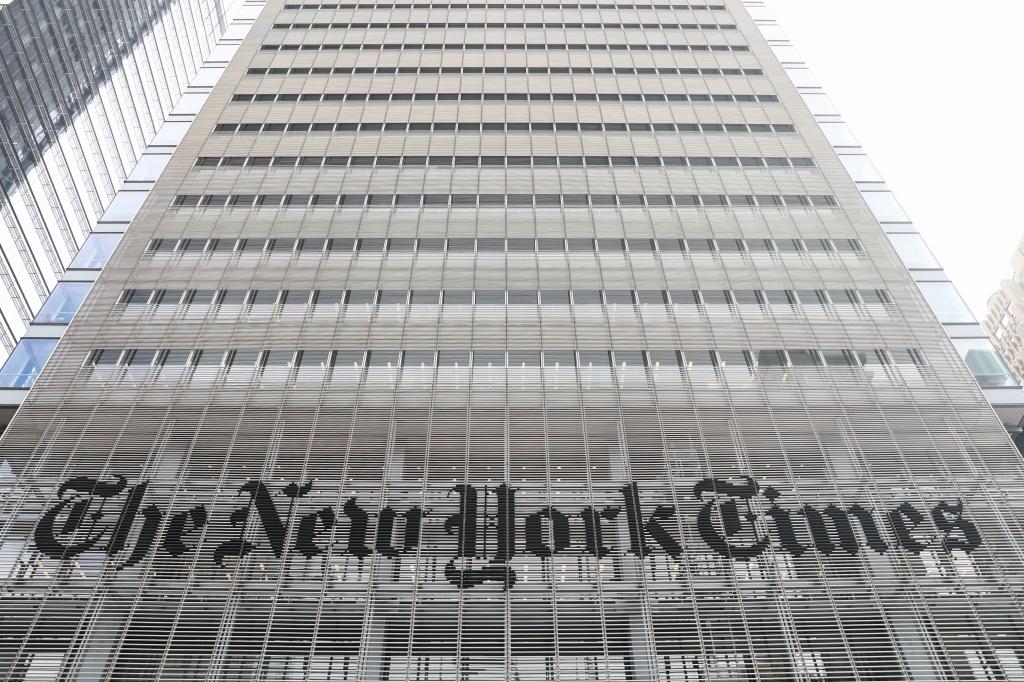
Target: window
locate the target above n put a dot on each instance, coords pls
(457, 297)
(505, 5)
(585, 126)
(945, 302)
(149, 167)
(860, 168)
(388, 201)
(498, 24)
(839, 134)
(425, 296)
(771, 358)
(63, 302)
(512, 96)
(124, 207)
(490, 297)
(241, 363)
(96, 250)
(913, 250)
(985, 363)
(25, 362)
(447, 161)
(321, 297)
(818, 103)
(276, 47)
(488, 358)
(885, 207)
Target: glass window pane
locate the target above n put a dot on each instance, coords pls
(838, 134)
(860, 168)
(913, 250)
(660, 358)
(490, 297)
(457, 297)
(426, 296)
(984, 362)
(453, 358)
(124, 206)
(25, 362)
(818, 103)
(560, 358)
(885, 207)
(63, 302)
(418, 358)
(149, 167)
(945, 302)
(489, 358)
(585, 297)
(594, 358)
(382, 358)
(523, 358)
(770, 358)
(96, 250)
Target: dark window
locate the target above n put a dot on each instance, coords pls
(457, 297)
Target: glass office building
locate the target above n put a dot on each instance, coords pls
(508, 341)
(90, 95)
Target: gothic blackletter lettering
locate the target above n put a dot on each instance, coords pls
(359, 521)
(270, 519)
(178, 528)
(78, 517)
(592, 528)
(305, 539)
(535, 535)
(783, 521)
(904, 519)
(732, 520)
(464, 525)
(824, 542)
(386, 528)
(949, 519)
(640, 529)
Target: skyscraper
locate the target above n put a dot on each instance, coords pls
(1005, 313)
(93, 99)
(508, 341)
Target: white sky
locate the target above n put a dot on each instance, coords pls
(934, 91)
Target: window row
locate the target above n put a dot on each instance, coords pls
(494, 97)
(506, 161)
(506, 126)
(501, 297)
(470, 245)
(502, 24)
(513, 70)
(496, 5)
(620, 359)
(547, 47)
(502, 200)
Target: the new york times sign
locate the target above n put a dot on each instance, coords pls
(115, 518)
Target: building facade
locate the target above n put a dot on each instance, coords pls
(1005, 314)
(508, 341)
(93, 99)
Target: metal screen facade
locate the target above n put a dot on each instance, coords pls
(504, 341)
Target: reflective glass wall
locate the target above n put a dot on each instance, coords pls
(84, 87)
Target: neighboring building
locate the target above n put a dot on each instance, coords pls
(93, 99)
(1005, 316)
(509, 342)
